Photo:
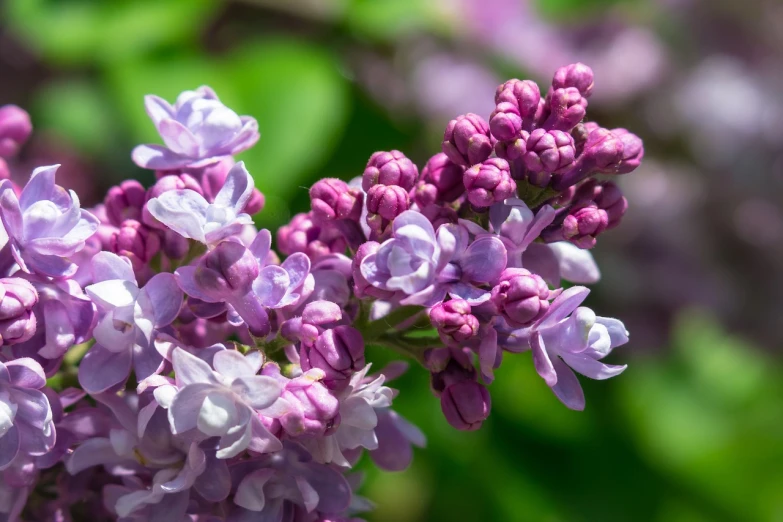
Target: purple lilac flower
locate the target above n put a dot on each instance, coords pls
(426, 266)
(45, 224)
(222, 402)
(197, 130)
(569, 338)
(26, 425)
(129, 318)
(190, 215)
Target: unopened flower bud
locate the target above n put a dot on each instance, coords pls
(384, 203)
(566, 109)
(577, 75)
(390, 168)
(304, 234)
(514, 149)
(549, 151)
(315, 316)
(583, 224)
(517, 105)
(125, 201)
(313, 406)
(467, 140)
(489, 182)
(454, 321)
(338, 352)
(332, 198)
(606, 195)
(425, 194)
(602, 153)
(633, 151)
(135, 241)
(15, 128)
(446, 176)
(465, 405)
(521, 296)
(17, 320)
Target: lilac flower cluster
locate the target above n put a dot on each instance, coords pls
(160, 361)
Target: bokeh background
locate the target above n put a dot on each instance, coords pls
(693, 430)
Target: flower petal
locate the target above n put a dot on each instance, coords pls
(102, 369)
(237, 188)
(567, 388)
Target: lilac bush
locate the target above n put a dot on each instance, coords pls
(156, 347)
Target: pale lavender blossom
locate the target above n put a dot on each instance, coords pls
(223, 402)
(129, 318)
(427, 266)
(26, 425)
(197, 130)
(570, 337)
(45, 224)
(187, 213)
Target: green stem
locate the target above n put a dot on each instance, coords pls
(375, 329)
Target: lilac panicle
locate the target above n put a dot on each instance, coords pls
(15, 128)
(390, 168)
(17, 320)
(467, 140)
(190, 215)
(45, 224)
(197, 130)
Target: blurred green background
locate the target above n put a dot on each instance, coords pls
(692, 431)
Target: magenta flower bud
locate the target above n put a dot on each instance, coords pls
(549, 151)
(213, 177)
(17, 321)
(439, 215)
(517, 105)
(303, 234)
(255, 204)
(135, 241)
(15, 128)
(603, 153)
(577, 75)
(332, 198)
(313, 407)
(361, 287)
(514, 149)
(567, 107)
(467, 140)
(315, 316)
(520, 296)
(446, 176)
(489, 182)
(425, 194)
(390, 168)
(606, 195)
(583, 223)
(338, 352)
(384, 203)
(633, 150)
(465, 404)
(229, 269)
(454, 322)
(125, 201)
(174, 245)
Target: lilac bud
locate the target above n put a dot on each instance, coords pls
(514, 149)
(314, 408)
(229, 269)
(439, 215)
(390, 168)
(446, 176)
(467, 140)
(521, 296)
(315, 316)
(384, 203)
(425, 194)
(338, 352)
(577, 75)
(606, 195)
(633, 150)
(17, 321)
(303, 234)
(566, 109)
(549, 151)
(583, 223)
(603, 153)
(517, 105)
(465, 405)
(454, 322)
(255, 203)
(15, 128)
(125, 201)
(135, 241)
(165, 184)
(489, 182)
(332, 198)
